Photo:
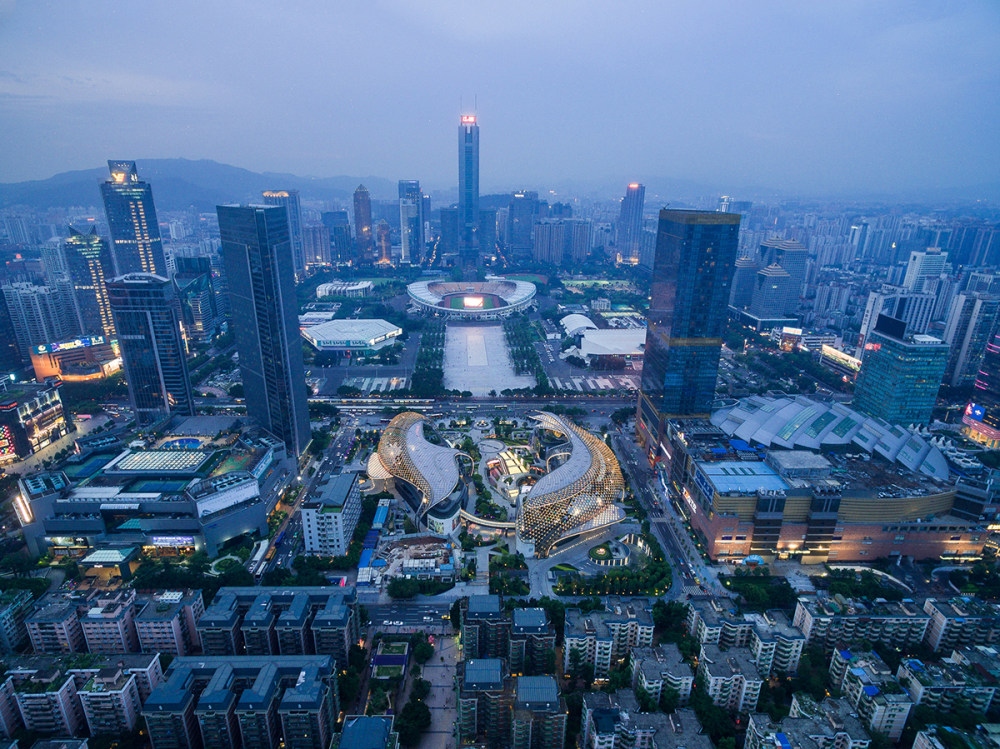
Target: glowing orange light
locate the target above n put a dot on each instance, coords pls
(468, 119)
(633, 186)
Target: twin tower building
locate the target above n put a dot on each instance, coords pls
(135, 300)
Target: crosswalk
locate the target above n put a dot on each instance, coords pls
(377, 384)
(593, 383)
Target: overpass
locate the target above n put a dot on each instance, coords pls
(485, 522)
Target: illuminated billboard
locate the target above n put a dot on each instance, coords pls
(473, 302)
(468, 119)
(975, 412)
(53, 348)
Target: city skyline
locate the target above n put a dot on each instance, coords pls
(855, 113)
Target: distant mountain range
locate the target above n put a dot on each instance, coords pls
(180, 184)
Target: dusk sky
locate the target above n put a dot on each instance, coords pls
(792, 96)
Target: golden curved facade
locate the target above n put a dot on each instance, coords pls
(404, 453)
(577, 496)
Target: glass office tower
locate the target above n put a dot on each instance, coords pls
(411, 221)
(89, 264)
(692, 272)
(468, 189)
(264, 313)
(363, 237)
(630, 223)
(290, 200)
(135, 235)
(146, 312)
(900, 374)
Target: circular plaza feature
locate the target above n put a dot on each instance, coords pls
(492, 299)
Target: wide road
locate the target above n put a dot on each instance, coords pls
(690, 571)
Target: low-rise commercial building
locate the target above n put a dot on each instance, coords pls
(31, 417)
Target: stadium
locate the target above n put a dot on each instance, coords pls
(492, 299)
(576, 488)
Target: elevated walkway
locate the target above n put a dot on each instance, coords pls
(486, 523)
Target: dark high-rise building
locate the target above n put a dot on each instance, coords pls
(199, 312)
(135, 235)
(692, 272)
(89, 264)
(316, 240)
(487, 231)
(147, 317)
(468, 188)
(265, 319)
(449, 230)
(411, 221)
(982, 415)
(521, 218)
(341, 243)
(290, 200)
(900, 374)
(630, 223)
(11, 357)
(363, 238)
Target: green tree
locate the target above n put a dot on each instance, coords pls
(456, 616)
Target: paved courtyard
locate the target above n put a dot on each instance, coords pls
(441, 700)
(476, 359)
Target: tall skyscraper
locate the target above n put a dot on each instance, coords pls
(982, 415)
(913, 308)
(40, 314)
(383, 242)
(792, 257)
(692, 272)
(971, 322)
(290, 200)
(770, 292)
(147, 317)
(468, 188)
(521, 218)
(363, 237)
(744, 282)
(900, 374)
(923, 265)
(630, 223)
(135, 235)
(341, 245)
(255, 251)
(411, 221)
(316, 241)
(89, 265)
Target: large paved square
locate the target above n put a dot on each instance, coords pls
(476, 359)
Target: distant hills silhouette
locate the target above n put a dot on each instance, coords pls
(179, 184)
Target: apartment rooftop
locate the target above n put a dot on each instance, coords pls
(484, 607)
(530, 622)
(537, 693)
(773, 625)
(727, 663)
(829, 606)
(654, 662)
(597, 623)
(366, 732)
(483, 674)
(812, 729)
(964, 607)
